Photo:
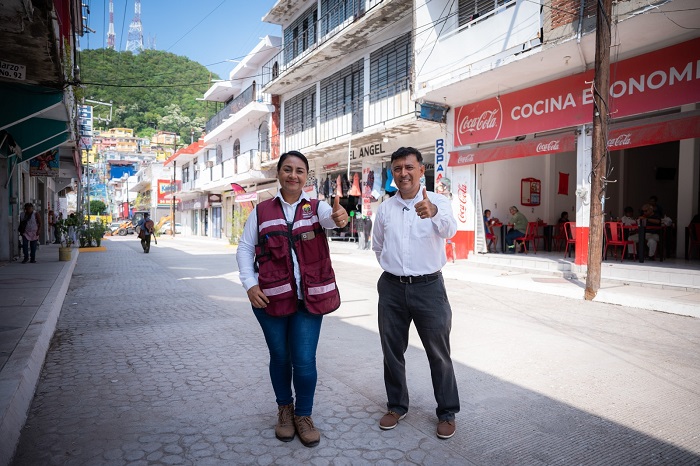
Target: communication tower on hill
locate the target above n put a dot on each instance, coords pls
(134, 42)
(110, 32)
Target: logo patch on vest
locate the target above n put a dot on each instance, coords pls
(306, 211)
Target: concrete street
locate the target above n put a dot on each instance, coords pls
(157, 359)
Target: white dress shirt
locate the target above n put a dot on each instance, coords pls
(245, 256)
(404, 243)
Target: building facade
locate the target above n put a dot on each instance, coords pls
(518, 77)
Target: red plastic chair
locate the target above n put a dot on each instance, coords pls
(530, 235)
(615, 237)
(694, 237)
(570, 237)
(559, 237)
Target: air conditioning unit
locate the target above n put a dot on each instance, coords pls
(210, 163)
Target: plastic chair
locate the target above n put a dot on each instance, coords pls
(615, 237)
(530, 235)
(694, 237)
(570, 237)
(559, 237)
(491, 239)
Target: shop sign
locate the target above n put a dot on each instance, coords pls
(540, 146)
(215, 198)
(166, 191)
(675, 128)
(365, 151)
(440, 161)
(658, 80)
(246, 197)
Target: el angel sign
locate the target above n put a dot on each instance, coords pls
(661, 79)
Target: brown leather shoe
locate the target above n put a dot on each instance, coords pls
(446, 428)
(390, 420)
(308, 434)
(284, 430)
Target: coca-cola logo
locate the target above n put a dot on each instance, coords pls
(621, 140)
(487, 120)
(462, 197)
(465, 159)
(548, 147)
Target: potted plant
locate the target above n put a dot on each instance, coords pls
(64, 250)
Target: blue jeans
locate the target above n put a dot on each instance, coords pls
(511, 235)
(292, 341)
(28, 246)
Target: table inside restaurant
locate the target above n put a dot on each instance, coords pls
(641, 240)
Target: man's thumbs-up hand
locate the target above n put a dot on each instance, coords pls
(339, 216)
(425, 208)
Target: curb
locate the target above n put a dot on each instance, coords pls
(23, 368)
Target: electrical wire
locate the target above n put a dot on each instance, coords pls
(193, 27)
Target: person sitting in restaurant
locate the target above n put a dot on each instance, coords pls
(491, 237)
(564, 217)
(518, 223)
(652, 239)
(658, 208)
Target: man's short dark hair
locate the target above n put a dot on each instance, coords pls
(146, 214)
(402, 152)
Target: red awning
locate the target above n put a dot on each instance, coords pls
(538, 146)
(671, 128)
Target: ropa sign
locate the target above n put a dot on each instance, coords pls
(440, 159)
(662, 79)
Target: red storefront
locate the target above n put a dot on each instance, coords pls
(646, 96)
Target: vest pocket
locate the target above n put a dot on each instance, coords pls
(320, 290)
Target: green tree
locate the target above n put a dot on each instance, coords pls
(151, 91)
(97, 207)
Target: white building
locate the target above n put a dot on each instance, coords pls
(344, 83)
(236, 154)
(518, 79)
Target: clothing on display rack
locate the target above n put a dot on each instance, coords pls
(355, 189)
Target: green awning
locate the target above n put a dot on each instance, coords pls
(37, 135)
(22, 102)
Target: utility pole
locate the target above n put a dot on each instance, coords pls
(599, 151)
(172, 200)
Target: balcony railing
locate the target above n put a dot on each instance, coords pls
(328, 25)
(249, 95)
(379, 106)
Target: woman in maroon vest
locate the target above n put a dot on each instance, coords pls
(285, 267)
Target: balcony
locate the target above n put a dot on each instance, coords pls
(245, 168)
(236, 113)
(376, 109)
(328, 40)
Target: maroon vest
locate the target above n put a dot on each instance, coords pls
(273, 256)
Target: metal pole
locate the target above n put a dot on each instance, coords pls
(172, 200)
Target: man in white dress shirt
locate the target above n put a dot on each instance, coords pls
(409, 236)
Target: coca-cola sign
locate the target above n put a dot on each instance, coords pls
(462, 198)
(662, 79)
(620, 141)
(547, 147)
(481, 121)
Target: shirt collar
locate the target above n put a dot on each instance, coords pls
(303, 196)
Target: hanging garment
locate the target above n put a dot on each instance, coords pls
(390, 186)
(345, 185)
(339, 186)
(327, 187)
(377, 190)
(355, 189)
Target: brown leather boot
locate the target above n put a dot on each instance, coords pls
(308, 434)
(284, 430)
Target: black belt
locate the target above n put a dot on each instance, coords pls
(410, 279)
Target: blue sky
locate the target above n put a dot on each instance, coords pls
(218, 29)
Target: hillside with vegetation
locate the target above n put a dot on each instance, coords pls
(150, 91)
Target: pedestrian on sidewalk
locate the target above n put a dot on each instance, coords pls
(29, 227)
(410, 230)
(146, 227)
(290, 310)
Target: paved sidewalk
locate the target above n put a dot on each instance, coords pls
(32, 297)
(162, 369)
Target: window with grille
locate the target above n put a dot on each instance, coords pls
(300, 35)
(342, 92)
(469, 10)
(389, 68)
(300, 111)
(186, 173)
(195, 166)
